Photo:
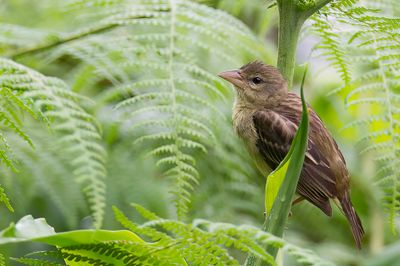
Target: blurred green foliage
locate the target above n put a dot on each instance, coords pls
(229, 189)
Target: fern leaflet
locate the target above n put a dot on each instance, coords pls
(51, 100)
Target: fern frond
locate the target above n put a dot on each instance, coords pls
(51, 258)
(162, 242)
(233, 188)
(2, 260)
(306, 257)
(44, 173)
(51, 100)
(13, 37)
(206, 243)
(35, 262)
(331, 46)
(5, 200)
(377, 147)
(12, 107)
(373, 45)
(163, 91)
(166, 93)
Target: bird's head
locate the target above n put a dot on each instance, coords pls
(257, 83)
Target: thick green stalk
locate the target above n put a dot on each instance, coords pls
(292, 15)
(290, 22)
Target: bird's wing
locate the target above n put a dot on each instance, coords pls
(274, 137)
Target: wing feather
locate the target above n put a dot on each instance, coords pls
(275, 134)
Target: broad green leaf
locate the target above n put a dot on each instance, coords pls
(28, 229)
(37, 230)
(274, 182)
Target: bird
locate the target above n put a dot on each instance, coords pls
(266, 117)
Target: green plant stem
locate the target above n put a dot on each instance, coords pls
(291, 19)
(290, 22)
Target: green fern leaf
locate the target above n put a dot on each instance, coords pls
(51, 100)
(4, 199)
(369, 45)
(165, 34)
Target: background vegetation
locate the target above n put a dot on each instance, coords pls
(108, 103)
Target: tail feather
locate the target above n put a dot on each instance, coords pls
(355, 222)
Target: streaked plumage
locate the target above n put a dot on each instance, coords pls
(266, 117)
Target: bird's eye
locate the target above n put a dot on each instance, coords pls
(256, 80)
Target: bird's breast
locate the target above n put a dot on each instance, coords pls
(243, 125)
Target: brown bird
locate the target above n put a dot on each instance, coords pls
(266, 117)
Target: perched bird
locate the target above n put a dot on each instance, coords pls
(266, 116)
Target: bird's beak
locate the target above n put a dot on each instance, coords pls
(234, 77)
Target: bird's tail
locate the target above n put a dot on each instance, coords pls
(355, 222)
